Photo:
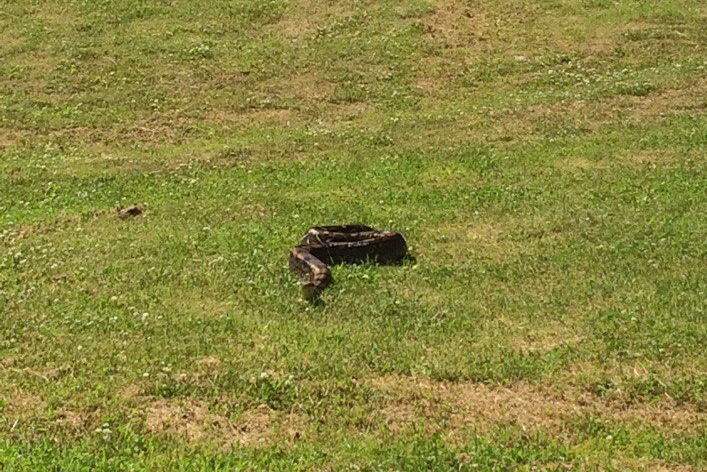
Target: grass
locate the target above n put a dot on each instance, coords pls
(546, 163)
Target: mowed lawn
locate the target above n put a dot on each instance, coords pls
(546, 161)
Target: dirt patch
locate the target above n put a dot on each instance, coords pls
(303, 21)
(308, 87)
(430, 85)
(71, 420)
(264, 427)
(196, 421)
(24, 404)
(513, 27)
(10, 41)
(56, 19)
(653, 466)
(209, 363)
(9, 139)
(452, 408)
(342, 114)
(691, 98)
(159, 128)
(282, 102)
(130, 391)
(295, 29)
(456, 24)
(248, 118)
(188, 418)
(24, 411)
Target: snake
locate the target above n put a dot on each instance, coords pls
(323, 246)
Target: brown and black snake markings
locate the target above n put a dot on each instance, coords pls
(353, 244)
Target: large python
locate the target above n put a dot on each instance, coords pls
(326, 245)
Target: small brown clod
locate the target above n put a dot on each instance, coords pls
(131, 211)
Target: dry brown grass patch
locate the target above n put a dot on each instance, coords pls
(24, 404)
(546, 338)
(653, 466)
(195, 421)
(24, 411)
(165, 128)
(475, 240)
(454, 407)
(627, 159)
(239, 118)
(9, 139)
(431, 85)
(308, 87)
(575, 163)
(514, 27)
(55, 19)
(690, 98)
(295, 28)
(209, 363)
(455, 24)
(655, 158)
(301, 22)
(9, 42)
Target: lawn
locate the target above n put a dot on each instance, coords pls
(546, 162)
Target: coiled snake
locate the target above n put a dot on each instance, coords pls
(325, 245)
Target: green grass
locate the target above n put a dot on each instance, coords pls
(546, 163)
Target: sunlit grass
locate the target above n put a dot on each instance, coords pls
(545, 162)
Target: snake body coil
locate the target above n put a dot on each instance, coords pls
(326, 245)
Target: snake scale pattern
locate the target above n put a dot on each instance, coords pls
(323, 246)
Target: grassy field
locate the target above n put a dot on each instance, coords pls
(547, 162)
